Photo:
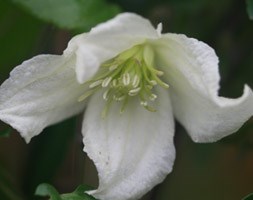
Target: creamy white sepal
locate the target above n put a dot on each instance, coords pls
(191, 69)
(40, 92)
(108, 39)
(132, 152)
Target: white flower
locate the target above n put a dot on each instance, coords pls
(132, 80)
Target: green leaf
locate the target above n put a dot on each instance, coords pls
(83, 188)
(248, 197)
(250, 8)
(5, 133)
(79, 194)
(78, 15)
(45, 189)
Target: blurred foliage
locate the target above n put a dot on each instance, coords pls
(7, 188)
(250, 8)
(5, 133)
(47, 153)
(202, 171)
(248, 197)
(19, 34)
(77, 15)
(79, 194)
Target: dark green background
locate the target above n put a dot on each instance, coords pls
(219, 171)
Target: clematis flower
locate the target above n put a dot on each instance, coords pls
(133, 81)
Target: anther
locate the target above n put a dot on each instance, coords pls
(119, 98)
(153, 82)
(134, 92)
(114, 83)
(105, 95)
(95, 84)
(113, 67)
(136, 81)
(106, 81)
(126, 79)
(159, 73)
(144, 103)
(152, 97)
(165, 85)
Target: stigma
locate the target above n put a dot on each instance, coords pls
(131, 74)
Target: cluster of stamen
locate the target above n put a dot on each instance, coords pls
(130, 74)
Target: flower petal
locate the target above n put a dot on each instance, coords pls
(108, 39)
(40, 92)
(191, 69)
(132, 151)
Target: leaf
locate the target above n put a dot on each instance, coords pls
(79, 194)
(78, 15)
(45, 189)
(250, 8)
(248, 197)
(83, 188)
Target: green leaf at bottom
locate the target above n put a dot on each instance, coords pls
(248, 197)
(45, 189)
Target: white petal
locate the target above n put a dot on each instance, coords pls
(108, 39)
(191, 69)
(40, 92)
(132, 152)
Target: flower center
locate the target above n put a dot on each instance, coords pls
(128, 75)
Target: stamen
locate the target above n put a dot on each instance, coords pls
(86, 95)
(106, 95)
(152, 97)
(113, 67)
(114, 83)
(131, 74)
(144, 103)
(106, 109)
(151, 109)
(136, 81)
(95, 84)
(134, 92)
(106, 81)
(153, 82)
(119, 98)
(123, 106)
(126, 79)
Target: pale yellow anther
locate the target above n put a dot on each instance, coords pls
(106, 81)
(114, 83)
(113, 67)
(105, 95)
(136, 81)
(126, 79)
(152, 97)
(153, 82)
(95, 84)
(121, 98)
(144, 103)
(134, 92)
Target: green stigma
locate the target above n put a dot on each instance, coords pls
(131, 74)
